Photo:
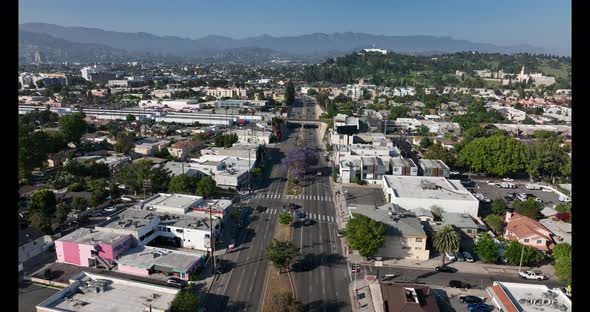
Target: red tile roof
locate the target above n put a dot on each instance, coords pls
(503, 298)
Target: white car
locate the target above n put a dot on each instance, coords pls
(565, 199)
(532, 275)
(110, 209)
(451, 256)
(508, 180)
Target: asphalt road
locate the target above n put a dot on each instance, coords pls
(241, 287)
(321, 283)
(430, 277)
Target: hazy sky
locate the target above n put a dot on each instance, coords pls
(544, 23)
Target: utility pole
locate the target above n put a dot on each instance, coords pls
(521, 256)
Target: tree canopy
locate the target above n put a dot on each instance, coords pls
(437, 151)
(530, 208)
(43, 201)
(486, 248)
(281, 253)
(73, 126)
(496, 155)
(364, 234)
(206, 186)
(183, 184)
(134, 174)
(285, 218)
(289, 93)
(514, 250)
(185, 302)
(495, 222)
(562, 254)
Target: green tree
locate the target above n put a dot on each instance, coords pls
(205, 186)
(499, 207)
(183, 184)
(73, 126)
(486, 248)
(281, 253)
(135, 174)
(530, 256)
(564, 207)
(43, 201)
(496, 155)
(41, 221)
(61, 212)
(426, 142)
(436, 151)
(364, 234)
(289, 93)
(125, 143)
(445, 240)
(562, 250)
(285, 218)
(530, 208)
(185, 301)
(284, 302)
(423, 131)
(495, 223)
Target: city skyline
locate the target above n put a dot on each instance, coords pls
(505, 23)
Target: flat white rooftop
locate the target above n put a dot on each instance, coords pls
(118, 295)
(171, 260)
(521, 296)
(422, 187)
(175, 201)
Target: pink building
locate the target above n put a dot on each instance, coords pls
(86, 247)
(528, 232)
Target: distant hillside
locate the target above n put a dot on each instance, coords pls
(313, 46)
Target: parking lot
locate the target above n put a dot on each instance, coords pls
(494, 192)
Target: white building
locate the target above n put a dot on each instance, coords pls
(177, 104)
(382, 51)
(89, 70)
(415, 192)
(519, 297)
(228, 172)
(151, 146)
(253, 136)
(227, 92)
(119, 83)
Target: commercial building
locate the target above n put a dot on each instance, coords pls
(227, 92)
(89, 292)
(367, 168)
(344, 124)
(404, 236)
(146, 260)
(228, 172)
(241, 104)
(253, 136)
(177, 104)
(150, 146)
(434, 168)
(517, 297)
(120, 83)
(414, 192)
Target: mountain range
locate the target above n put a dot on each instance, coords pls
(60, 43)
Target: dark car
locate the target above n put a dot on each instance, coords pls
(478, 307)
(174, 281)
(293, 206)
(471, 299)
(300, 214)
(459, 284)
(445, 269)
(260, 208)
(468, 183)
(307, 222)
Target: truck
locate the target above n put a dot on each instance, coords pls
(507, 185)
(531, 186)
(532, 275)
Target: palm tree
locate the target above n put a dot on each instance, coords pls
(444, 240)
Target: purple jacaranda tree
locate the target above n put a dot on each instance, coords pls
(299, 159)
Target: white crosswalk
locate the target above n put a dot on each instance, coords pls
(300, 197)
(309, 215)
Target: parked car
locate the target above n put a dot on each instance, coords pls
(175, 281)
(478, 307)
(468, 256)
(532, 275)
(454, 172)
(471, 299)
(531, 186)
(564, 199)
(96, 213)
(460, 257)
(539, 200)
(340, 233)
(451, 256)
(319, 173)
(110, 209)
(459, 284)
(445, 269)
(508, 180)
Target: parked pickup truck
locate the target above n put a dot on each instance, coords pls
(532, 275)
(532, 186)
(507, 185)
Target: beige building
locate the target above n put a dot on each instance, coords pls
(404, 236)
(182, 148)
